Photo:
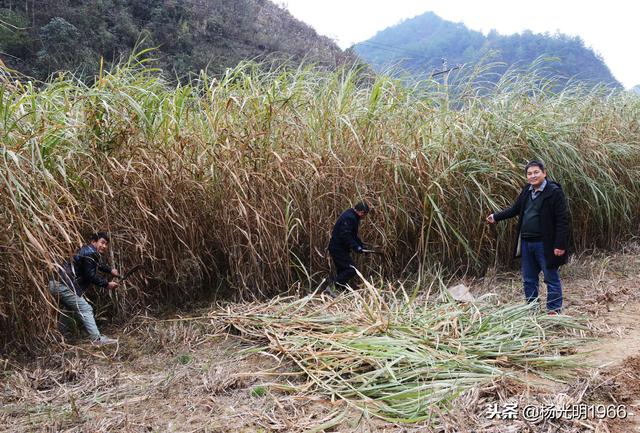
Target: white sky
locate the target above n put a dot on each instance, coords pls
(611, 28)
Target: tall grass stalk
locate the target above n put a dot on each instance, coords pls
(239, 178)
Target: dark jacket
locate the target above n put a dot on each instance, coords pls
(554, 221)
(344, 236)
(82, 270)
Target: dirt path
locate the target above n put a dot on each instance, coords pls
(618, 357)
(623, 325)
(610, 298)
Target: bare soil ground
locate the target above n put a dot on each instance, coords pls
(176, 376)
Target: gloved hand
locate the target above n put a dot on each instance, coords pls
(359, 250)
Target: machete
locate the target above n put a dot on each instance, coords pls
(372, 252)
(128, 273)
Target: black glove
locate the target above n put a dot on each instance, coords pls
(359, 250)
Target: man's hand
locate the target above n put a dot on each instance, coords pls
(112, 285)
(359, 250)
(490, 219)
(115, 272)
(558, 252)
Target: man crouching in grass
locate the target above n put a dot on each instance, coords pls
(75, 278)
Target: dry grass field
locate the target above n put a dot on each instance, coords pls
(190, 374)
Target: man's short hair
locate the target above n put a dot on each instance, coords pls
(534, 163)
(362, 207)
(99, 235)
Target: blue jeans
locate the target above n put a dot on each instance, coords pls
(533, 262)
(76, 305)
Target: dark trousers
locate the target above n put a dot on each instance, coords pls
(345, 268)
(533, 261)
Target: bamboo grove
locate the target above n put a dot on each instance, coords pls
(235, 181)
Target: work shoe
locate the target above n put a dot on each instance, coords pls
(325, 283)
(104, 340)
(329, 292)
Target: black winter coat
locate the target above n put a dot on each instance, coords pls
(344, 236)
(82, 270)
(554, 222)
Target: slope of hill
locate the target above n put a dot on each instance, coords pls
(420, 44)
(40, 38)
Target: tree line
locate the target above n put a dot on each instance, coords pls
(420, 44)
(44, 37)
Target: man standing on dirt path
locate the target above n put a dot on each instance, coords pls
(543, 229)
(344, 238)
(74, 280)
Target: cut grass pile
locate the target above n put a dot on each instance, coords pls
(400, 359)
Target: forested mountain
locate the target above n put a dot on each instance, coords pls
(40, 37)
(420, 44)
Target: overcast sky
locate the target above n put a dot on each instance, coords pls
(611, 28)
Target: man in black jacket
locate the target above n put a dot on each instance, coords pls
(75, 278)
(543, 230)
(344, 239)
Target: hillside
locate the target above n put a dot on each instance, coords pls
(420, 44)
(41, 38)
